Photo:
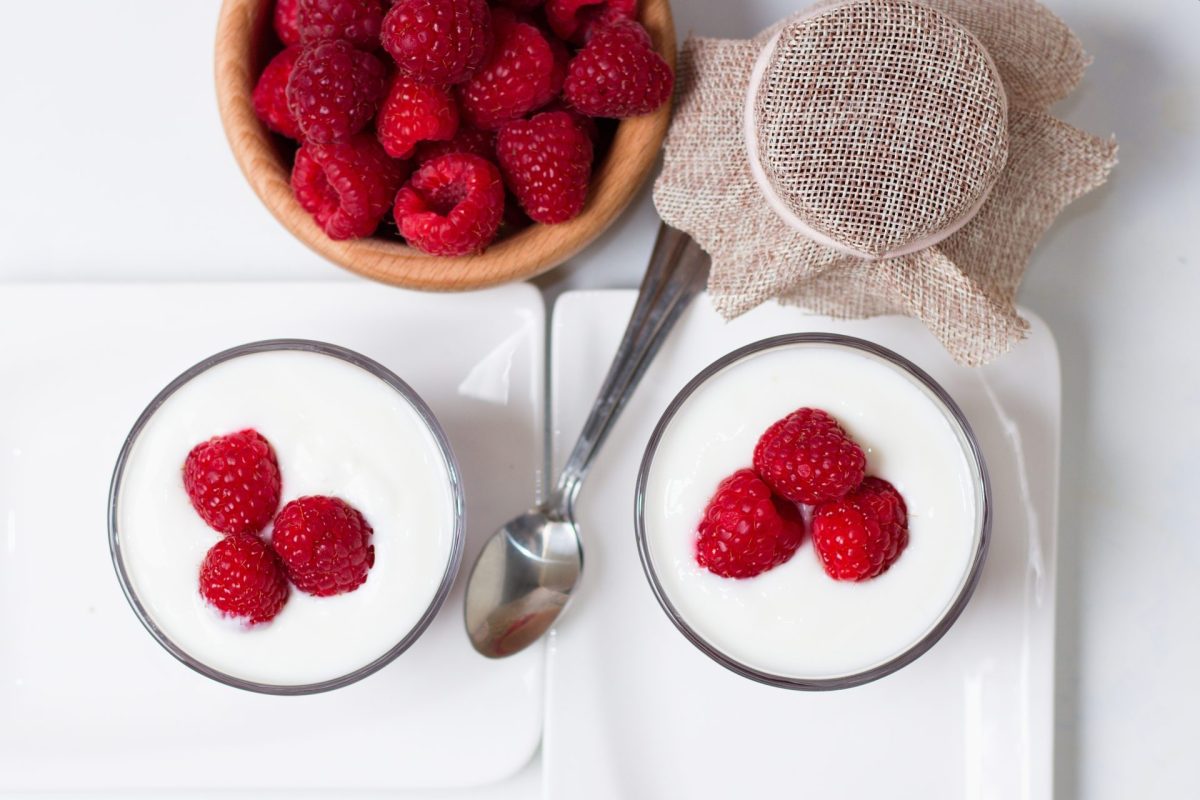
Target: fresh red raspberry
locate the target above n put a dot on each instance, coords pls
(862, 534)
(592, 21)
(524, 6)
(524, 73)
(415, 112)
(243, 578)
(547, 162)
(356, 21)
(746, 530)
(467, 140)
(587, 123)
(270, 94)
(334, 90)
(285, 21)
(886, 502)
(438, 41)
(347, 186)
(618, 73)
(452, 206)
(233, 482)
(573, 19)
(808, 458)
(325, 545)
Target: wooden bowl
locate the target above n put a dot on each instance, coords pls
(245, 43)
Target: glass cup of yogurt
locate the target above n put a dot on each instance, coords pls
(340, 425)
(794, 626)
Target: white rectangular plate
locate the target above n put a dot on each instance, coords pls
(634, 710)
(88, 700)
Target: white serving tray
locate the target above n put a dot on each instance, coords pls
(88, 701)
(635, 711)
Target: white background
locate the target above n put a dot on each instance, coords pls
(113, 167)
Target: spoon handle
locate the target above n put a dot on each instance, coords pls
(677, 272)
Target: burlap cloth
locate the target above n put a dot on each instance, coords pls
(997, 191)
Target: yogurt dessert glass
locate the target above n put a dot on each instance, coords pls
(341, 425)
(794, 626)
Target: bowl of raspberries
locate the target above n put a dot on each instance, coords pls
(445, 144)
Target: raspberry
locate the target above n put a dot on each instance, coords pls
(243, 578)
(415, 112)
(334, 90)
(587, 123)
(285, 21)
(438, 41)
(592, 21)
(467, 140)
(525, 6)
(325, 545)
(270, 94)
(859, 536)
(356, 21)
(618, 74)
(347, 186)
(808, 458)
(233, 482)
(886, 502)
(524, 73)
(452, 206)
(573, 20)
(547, 162)
(745, 530)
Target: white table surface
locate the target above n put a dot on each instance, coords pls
(115, 169)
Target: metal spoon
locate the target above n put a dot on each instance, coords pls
(527, 570)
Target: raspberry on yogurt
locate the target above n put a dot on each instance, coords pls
(233, 482)
(745, 530)
(242, 578)
(325, 544)
(808, 458)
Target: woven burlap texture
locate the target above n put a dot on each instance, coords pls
(879, 125)
(962, 288)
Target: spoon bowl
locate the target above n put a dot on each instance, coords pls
(521, 581)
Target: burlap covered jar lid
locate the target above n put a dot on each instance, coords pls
(881, 156)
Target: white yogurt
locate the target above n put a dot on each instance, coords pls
(337, 430)
(794, 621)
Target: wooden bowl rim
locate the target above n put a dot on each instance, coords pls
(631, 156)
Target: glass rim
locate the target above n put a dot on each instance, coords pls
(983, 514)
(453, 473)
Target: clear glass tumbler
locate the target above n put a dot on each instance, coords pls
(452, 476)
(977, 480)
